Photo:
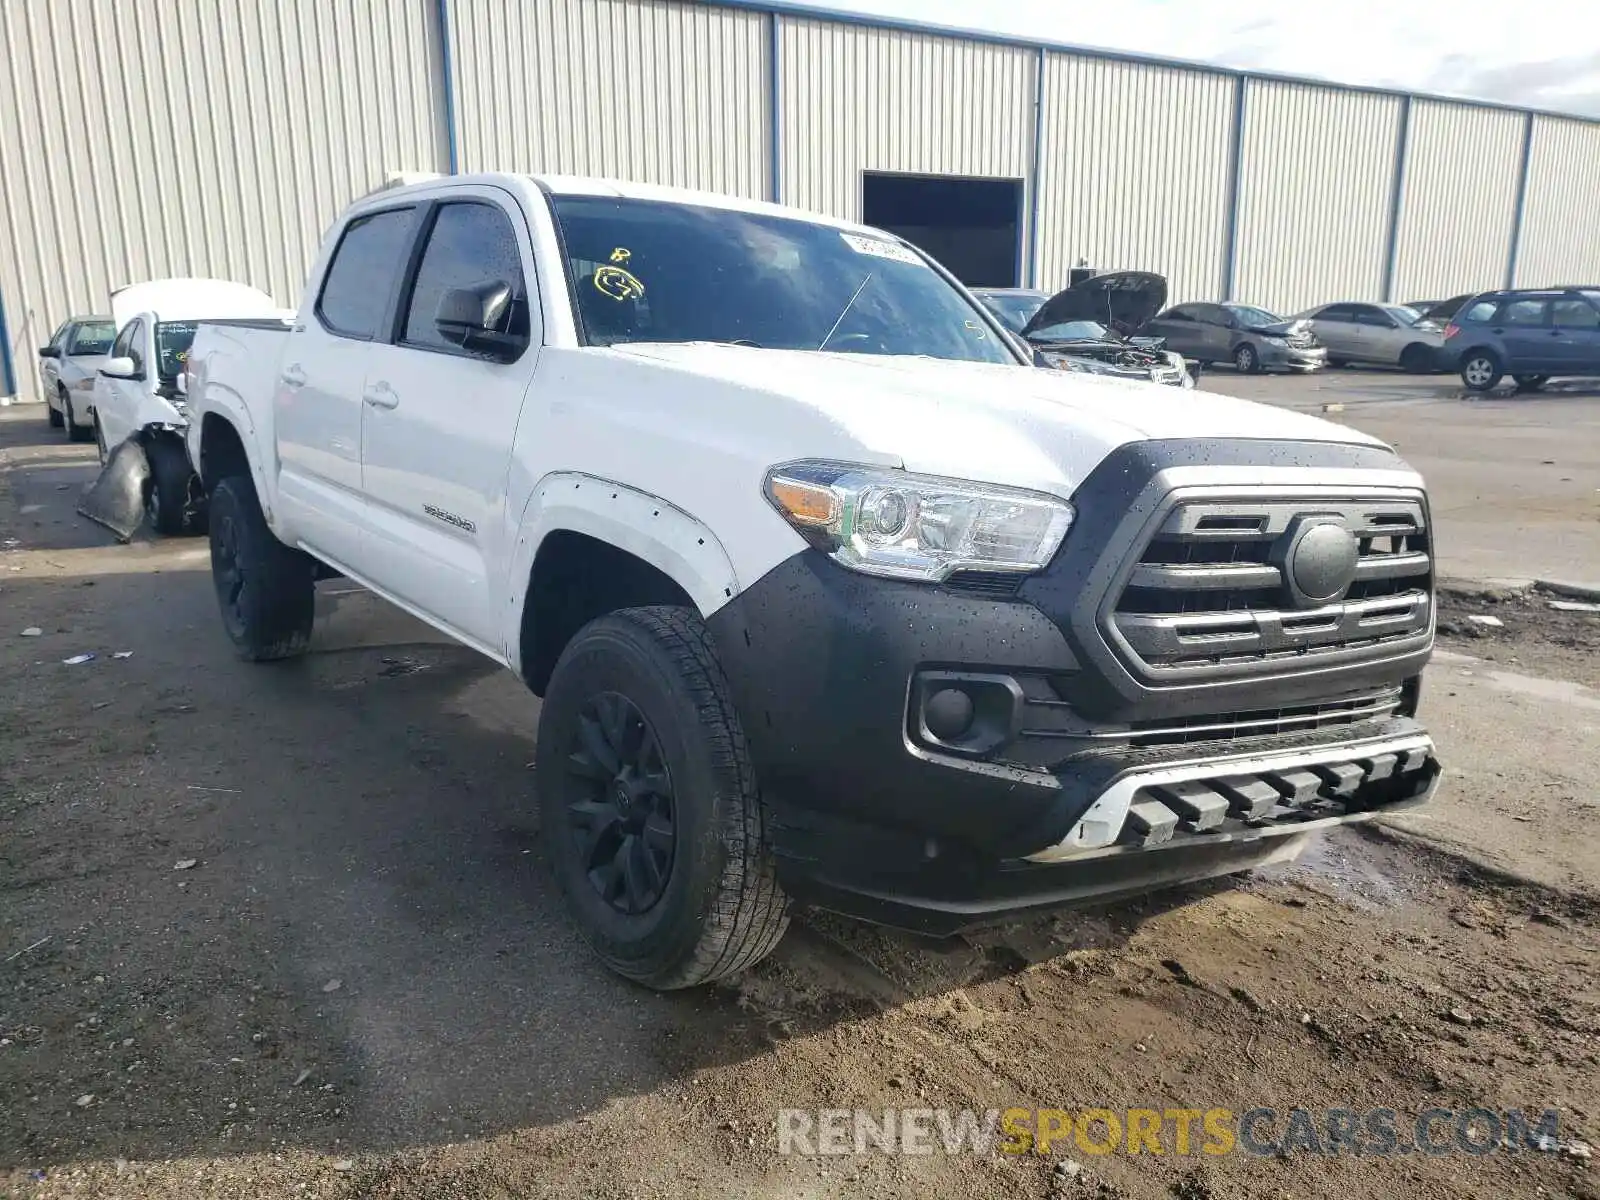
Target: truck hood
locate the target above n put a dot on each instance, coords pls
(1001, 424)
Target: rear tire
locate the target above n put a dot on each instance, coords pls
(1481, 370)
(1415, 359)
(267, 591)
(1246, 359)
(637, 696)
(1530, 383)
(170, 499)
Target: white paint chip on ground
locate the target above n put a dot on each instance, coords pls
(32, 631)
(78, 659)
(333, 985)
(1483, 619)
(1573, 606)
(186, 864)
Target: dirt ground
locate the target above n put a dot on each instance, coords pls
(285, 931)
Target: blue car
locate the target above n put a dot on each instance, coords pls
(1529, 334)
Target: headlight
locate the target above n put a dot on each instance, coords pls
(886, 522)
(1086, 366)
(1275, 341)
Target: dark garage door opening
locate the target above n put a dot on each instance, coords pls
(972, 226)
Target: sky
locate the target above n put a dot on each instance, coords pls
(1539, 53)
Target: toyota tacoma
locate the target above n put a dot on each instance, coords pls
(830, 596)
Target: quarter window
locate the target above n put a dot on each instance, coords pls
(361, 277)
(469, 245)
(1478, 313)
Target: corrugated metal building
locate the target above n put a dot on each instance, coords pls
(166, 137)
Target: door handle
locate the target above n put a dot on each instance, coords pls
(381, 395)
(294, 375)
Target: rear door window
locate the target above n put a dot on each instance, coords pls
(361, 278)
(1526, 311)
(1342, 313)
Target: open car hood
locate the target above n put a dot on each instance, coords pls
(1122, 301)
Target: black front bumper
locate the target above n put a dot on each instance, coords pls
(870, 817)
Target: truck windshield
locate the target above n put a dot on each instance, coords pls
(650, 271)
(173, 339)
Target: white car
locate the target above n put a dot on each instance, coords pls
(67, 368)
(137, 393)
(831, 596)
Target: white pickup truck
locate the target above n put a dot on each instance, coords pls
(830, 596)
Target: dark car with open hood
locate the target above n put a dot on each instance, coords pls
(1089, 327)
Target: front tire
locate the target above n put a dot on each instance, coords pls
(649, 809)
(1246, 359)
(1481, 370)
(266, 590)
(1415, 359)
(70, 420)
(54, 414)
(169, 503)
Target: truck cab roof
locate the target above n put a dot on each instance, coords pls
(584, 185)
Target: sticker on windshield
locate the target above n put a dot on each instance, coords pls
(879, 248)
(618, 282)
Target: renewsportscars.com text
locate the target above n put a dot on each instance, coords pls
(1166, 1131)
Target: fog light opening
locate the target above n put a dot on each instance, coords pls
(948, 713)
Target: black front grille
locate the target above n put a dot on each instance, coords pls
(1050, 730)
(1209, 590)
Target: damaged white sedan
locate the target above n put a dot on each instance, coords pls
(138, 401)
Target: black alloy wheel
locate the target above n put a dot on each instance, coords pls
(228, 574)
(623, 815)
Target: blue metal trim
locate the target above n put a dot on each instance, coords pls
(1230, 234)
(8, 373)
(1402, 150)
(821, 13)
(1035, 171)
(775, 103)
(1522, 203)
(443, 9)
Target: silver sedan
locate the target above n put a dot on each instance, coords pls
(1389, 335)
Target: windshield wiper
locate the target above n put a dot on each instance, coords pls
(848, 305)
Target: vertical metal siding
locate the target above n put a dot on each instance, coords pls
(1460, 190)
(659, 92)
(1134, 172)
(860, 99)
(181, 137)
(1314, 195)
(1560, 235)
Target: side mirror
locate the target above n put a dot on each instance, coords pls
(121, 367)
(49, 352)
(478, 318)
